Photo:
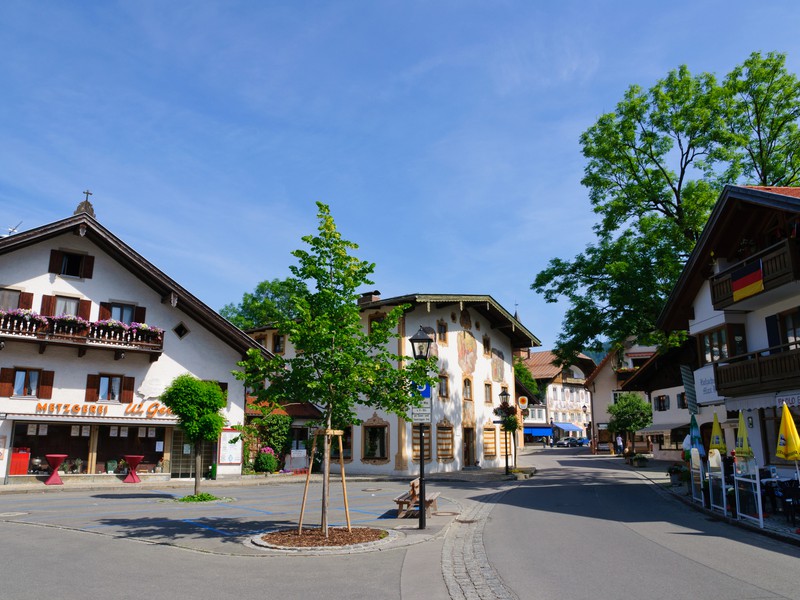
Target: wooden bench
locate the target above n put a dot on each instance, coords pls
(409, 500)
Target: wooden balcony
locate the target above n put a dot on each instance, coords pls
(780, 264)
(94, 336)
(769, 370)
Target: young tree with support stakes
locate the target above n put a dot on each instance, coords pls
(338, 363)
(197, 404)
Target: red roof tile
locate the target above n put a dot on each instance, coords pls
(784, 191)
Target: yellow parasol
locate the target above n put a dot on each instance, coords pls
(743, 448)
(717, 440)
(788, 440)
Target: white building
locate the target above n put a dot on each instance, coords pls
(475, 339)
(74, 381)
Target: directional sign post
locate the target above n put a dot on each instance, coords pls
(422, 415)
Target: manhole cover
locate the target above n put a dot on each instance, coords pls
(372, 489)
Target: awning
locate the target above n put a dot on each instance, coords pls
(661, 427)
(568, 427)
(538, 431)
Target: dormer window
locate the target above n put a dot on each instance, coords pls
(71, 264)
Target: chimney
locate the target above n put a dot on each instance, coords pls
(368, 297)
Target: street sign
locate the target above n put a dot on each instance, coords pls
(425, 390)
(421, 414)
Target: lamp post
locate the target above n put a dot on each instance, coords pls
(504, 396)
(421, 347)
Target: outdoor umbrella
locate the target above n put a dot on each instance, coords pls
(788, 440)
(717, 440)
(697, 441)
(743, 448)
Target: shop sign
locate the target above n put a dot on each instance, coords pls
(149, 410)
(792, 399)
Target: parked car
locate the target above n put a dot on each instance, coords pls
(567, 442)
(584, 441)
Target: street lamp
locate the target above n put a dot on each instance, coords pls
(504, 396)
(420, 348)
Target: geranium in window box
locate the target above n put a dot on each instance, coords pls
(109, 329)
(22, 321)
(142, 332)
(69, 325)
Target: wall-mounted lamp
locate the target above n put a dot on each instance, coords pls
(750, 422)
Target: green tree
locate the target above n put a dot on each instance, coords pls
(268, 303)
(522, 373)
(655, 166)
(629, 414)
(198, 405)
(338, 364)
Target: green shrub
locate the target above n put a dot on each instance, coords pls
(266, 461)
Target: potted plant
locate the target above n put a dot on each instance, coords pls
(675, 473)
(69, 325)
(639, 460)
(22, 320)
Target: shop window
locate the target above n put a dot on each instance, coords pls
(487, 393)
(109, 388)
(278, 343)
(441, 332)
(71, 264)
(375, 441)
(662, 403)
(347, 444)
(444, 387)
(467, 390)
(415, 442)
(489, 441)
(444, 441)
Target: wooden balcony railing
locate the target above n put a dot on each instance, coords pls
(779, 265)
(14, 327)
(769, 370)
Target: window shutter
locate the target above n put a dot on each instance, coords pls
(87, 268)
(84, 309)
(92, 388)
(139, 314)
(126, 397)
(46, 385)
(6, 382)
(48, 306)
(666, 402)
(773, 333)
(56, 258)
(105, 311)
(26, 300)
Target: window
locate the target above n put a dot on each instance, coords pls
(487, 345)
(444, 441)
(71, 264)
(467, 390)
(444, 391)
(21, 381)
(66, 306)
(791, 330)
(122, 312)
(376, 318)
(181, 330)
(441, 332)
(26, 382)
(375, 441)
(415, 442)
(615, 396)
(9, 299)
(487, 393)
(719, 344)
(681, 400)
(277, 343)
(661, 403)
(489, 441)
(347, 445)
(110, 388)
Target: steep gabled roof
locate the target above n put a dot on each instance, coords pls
(140, 268)
(541, 364)
(498, 317)
(739, 212)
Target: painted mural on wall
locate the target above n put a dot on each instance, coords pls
(467, 352)
(498, 365)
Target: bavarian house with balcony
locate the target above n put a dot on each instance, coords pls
(739, 297)
(91, 334)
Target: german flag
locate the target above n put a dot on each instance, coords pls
(747, 281)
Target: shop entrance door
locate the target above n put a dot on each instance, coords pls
(182, 458)
(469, 446)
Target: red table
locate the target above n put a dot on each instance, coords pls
(54, 460)
(133, 461)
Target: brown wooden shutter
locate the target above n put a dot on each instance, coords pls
(46, 385)
(92, 388)
(56, 260)
(6, 382)
(87, 267)
(126, 397)
(105, 311)
(25, 300)
(48, 306)
(139, 314)
(84, 309)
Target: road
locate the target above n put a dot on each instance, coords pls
(584, 527)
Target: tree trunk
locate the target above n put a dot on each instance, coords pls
(198, 467)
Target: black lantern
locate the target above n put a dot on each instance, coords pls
(421, 344)
(504, 395)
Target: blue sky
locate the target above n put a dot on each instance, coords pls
(207, 131)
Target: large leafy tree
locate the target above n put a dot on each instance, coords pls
(198, 405)
(338, 363)
(629, 414)
(655, 166)
(268, 303)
